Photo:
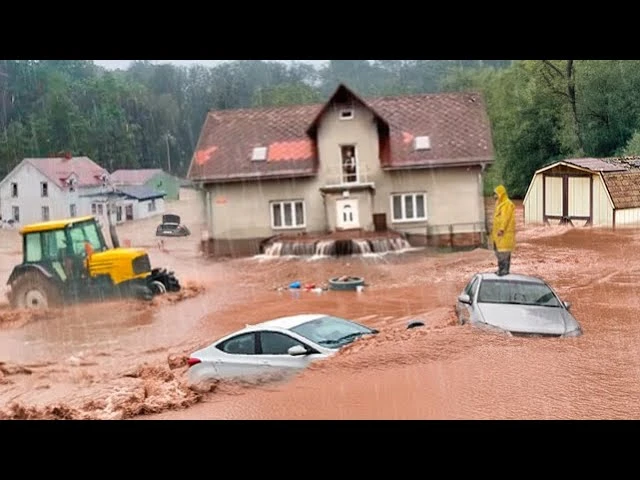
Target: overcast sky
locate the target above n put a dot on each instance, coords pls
(123, 64)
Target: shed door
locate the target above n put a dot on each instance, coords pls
(553, 195)
(579, 197)
(568, 199)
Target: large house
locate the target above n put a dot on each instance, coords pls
(412, 164)
(152, 178)
(40, 189)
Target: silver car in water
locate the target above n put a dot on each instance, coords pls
(519, 305)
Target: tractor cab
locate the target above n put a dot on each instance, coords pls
(63, 247)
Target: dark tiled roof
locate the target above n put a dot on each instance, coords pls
(595, 164)
(457, 124)
(139, 192)
(624, 188)
(607, 164)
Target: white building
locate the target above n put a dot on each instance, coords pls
(41, 189)
(128, 203)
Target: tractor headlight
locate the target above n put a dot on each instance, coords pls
(141, 264)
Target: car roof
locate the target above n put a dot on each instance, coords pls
(286, 323)
(511, 277)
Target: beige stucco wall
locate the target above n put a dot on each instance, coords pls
(241, 210)
(359, 131)
(454, 197)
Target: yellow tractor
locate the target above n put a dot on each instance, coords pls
(68, 261)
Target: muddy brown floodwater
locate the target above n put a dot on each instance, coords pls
(124, 360)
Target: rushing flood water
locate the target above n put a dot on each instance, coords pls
(125, 359)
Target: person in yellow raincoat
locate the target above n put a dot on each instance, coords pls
(503, 233)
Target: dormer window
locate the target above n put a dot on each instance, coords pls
(422, 143)
(259, 154)
(346, 114)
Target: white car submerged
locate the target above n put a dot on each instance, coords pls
(281, 346)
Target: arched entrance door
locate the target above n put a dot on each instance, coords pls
(347, 214)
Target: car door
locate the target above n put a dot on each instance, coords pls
(238, 357)
(274, 352)
(463, 310)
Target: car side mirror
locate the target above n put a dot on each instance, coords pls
(297, 350)
(464, 298)
(567, 305)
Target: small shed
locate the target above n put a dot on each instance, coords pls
(603, 192)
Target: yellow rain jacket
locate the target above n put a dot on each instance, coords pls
(504, 219)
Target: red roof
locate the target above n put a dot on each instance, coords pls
(134, 177)
(457, 124)
(59, 169)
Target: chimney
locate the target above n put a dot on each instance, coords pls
(67, 155)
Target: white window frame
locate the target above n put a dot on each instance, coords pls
(347, 114)
(47, 217)
(357, 164)
(402, 203)
(44, 189)
(293, 214)
(73, 210)
(15, 213)
(14, 189)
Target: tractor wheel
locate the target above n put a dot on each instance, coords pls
(32, 290)
(161, 281)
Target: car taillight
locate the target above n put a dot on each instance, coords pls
(193, 361)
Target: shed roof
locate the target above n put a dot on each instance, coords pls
(139, 192)
(624, 189)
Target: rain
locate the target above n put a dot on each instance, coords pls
(126, 358)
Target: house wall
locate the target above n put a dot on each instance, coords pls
(141, 208)
(163, 182)
(30, 201)
(454, 195)
(359, 131)
(241, 216)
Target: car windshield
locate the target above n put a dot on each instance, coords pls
(332, 332)
(517, 293)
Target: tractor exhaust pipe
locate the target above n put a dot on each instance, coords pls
(112, 228)
(114, 235)
(106, 183)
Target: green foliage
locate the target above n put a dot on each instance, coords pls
(540, 111)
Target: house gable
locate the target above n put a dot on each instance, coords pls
(26, 175)
(347, 133)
